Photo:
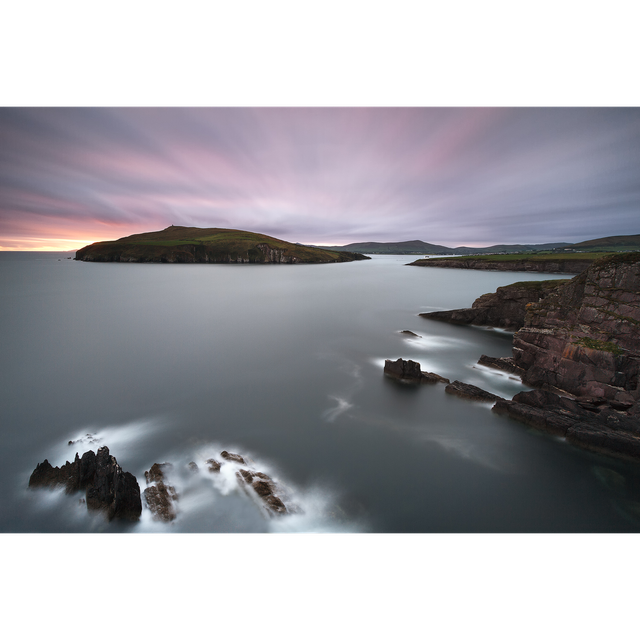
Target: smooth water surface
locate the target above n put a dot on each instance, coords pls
(283, 364)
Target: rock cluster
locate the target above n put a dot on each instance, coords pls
(107, 487)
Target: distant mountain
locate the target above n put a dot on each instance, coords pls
(191, 244)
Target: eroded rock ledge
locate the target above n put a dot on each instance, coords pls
(506, 308)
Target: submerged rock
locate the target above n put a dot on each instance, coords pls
(214, 465)
(107, 487)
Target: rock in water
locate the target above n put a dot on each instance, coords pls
(107, 487)
(160, 497)
(265, 488)
(409, 371)
(470, 392)
(232, 457)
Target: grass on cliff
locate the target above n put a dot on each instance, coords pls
(599, 345)
(223, 242)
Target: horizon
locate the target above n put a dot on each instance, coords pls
(465, 176)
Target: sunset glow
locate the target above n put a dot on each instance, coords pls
(474, 177)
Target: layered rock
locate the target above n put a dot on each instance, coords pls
(584, 341)
(585, 337)
(506, 308)
(410, 371)
(107, 487)
(590, 423)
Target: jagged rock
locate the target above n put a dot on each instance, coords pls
(156, 473)
(470, 392)
(214, 465)
(233, 457)
(409, 371)
(160, 497)
(266, 489)
(107, 488)
(193, 467)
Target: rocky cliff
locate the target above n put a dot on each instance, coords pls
(506, 308)
(579, 345)
(585, 337)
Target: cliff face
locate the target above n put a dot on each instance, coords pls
(552, 265)
(585, 337)
(506, 308)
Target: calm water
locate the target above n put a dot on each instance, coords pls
(281, 363)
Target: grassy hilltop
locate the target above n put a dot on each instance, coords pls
(192, 244)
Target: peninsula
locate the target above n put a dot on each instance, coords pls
(195, 245)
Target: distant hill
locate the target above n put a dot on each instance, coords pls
(610, 243)
(192, 244)
(406, 247)
(418, 247)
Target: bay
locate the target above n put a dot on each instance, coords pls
(283, 364)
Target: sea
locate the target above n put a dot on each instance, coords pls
(283, 365)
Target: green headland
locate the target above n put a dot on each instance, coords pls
(192, 244)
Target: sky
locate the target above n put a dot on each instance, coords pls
(452, 176)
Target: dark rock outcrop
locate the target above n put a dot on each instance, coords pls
(214, 465)
(265, 488)
(586, 422)
(470, 392)
(107, 487)
(410, 371)
(506, 308)
(232, 457)
(160, 497)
